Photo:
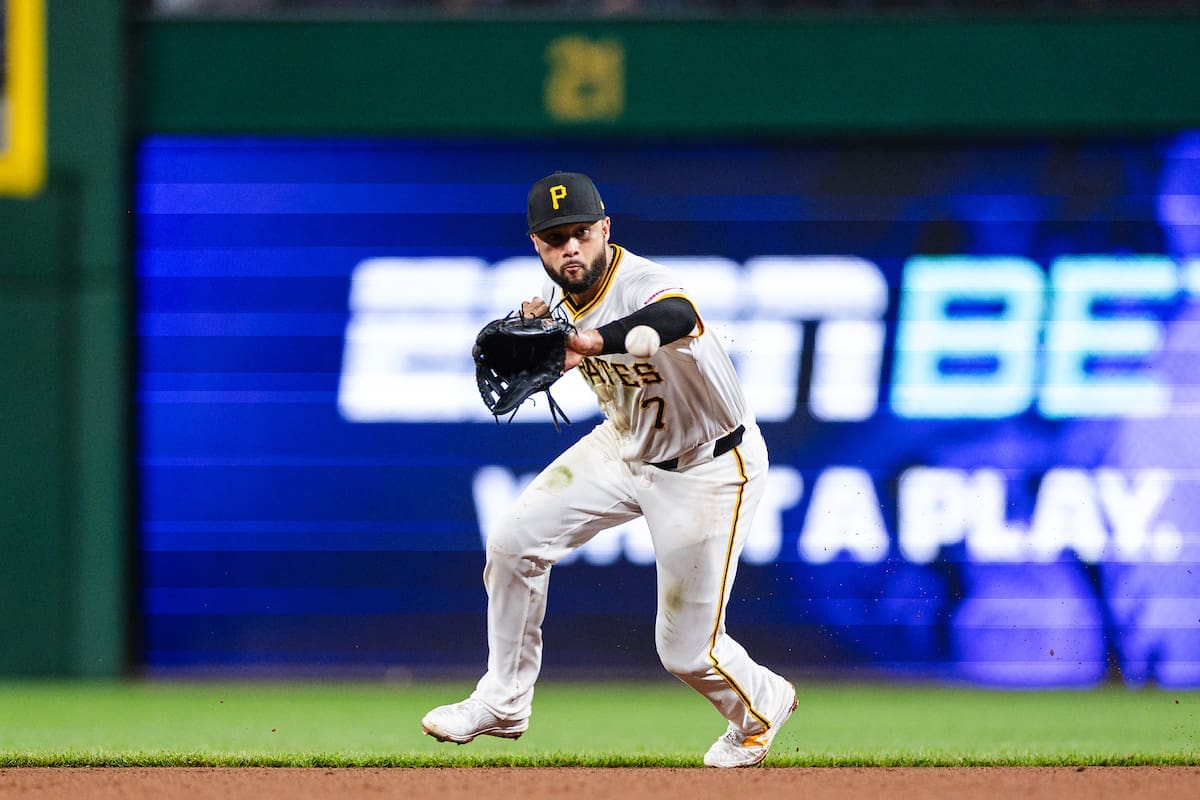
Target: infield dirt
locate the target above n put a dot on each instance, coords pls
(168, 783)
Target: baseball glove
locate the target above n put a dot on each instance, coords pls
(516, 357)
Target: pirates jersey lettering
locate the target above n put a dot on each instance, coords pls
(600, 370)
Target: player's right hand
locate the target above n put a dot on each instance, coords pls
(581, 344)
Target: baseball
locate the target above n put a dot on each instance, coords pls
(642, 341)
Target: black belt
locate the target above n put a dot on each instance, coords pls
(720, 448)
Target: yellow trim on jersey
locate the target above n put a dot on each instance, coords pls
(699, 320)
(712, 639)
(576, 313)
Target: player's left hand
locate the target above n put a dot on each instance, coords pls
(534, 308)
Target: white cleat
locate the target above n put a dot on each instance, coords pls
(736, 749)
(462, 722)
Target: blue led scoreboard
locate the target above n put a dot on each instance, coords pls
(974, 364)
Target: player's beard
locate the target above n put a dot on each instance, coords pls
(591, 274)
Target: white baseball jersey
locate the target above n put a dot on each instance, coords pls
(683, 397)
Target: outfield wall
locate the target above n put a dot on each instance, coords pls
(63, 412)
(884, 75)
(66, 506)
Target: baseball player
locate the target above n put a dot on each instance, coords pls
(678, 445)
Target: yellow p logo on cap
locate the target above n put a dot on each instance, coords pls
(557, 193)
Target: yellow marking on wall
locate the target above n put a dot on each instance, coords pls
(23, 99)
(586, 81)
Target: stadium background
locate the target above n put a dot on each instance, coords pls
(913, 116)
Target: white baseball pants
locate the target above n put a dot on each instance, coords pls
(698, 518)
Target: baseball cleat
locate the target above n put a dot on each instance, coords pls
(736, 749)
(462, 722)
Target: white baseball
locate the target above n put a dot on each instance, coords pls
(642, 341)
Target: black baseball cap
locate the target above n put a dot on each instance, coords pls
(563, 198)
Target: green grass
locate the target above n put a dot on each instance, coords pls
(595, 724)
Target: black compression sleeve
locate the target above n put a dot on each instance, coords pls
(672, 317)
